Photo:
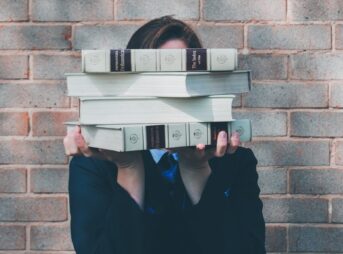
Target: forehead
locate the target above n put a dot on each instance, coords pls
(173, 44)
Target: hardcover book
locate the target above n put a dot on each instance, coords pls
(137, 137)
(142, 60)
(152, 110)
(160, 84)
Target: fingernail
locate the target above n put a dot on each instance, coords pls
(223, 134)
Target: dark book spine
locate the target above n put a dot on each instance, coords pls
(155, 136)
(196, 59)
(120, 60)
(217, 127)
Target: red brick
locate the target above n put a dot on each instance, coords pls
(33, 208)
(32, 152)
(45, 180)
(276, 238)
(12, 237)
(12, 180)
(14, 67)
(51, 123)
(14, 123)
(51, 238)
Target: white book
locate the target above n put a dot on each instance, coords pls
(142, 137)
(160, 84)
(152, 110)
(142, 60)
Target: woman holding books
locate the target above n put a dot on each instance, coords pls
(201, 201)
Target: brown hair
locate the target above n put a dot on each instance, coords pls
(157, 31)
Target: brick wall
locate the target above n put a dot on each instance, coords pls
(293, 47)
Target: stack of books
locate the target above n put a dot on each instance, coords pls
(138, 99)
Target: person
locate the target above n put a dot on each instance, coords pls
(200, 201)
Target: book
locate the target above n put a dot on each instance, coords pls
(152, 110)
(137, 137)
(143, 60)
(159, 84)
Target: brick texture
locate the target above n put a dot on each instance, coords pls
(14, 67)
(315, 10)
(31, 96)
(336, 96)
(246, 10)
(339, 36)
(265, 66)
(291, 153)
(32, 152)
(339, 153)
(50, 238)
(289, 37)
(51, 123)
(324, 181)
(49, 180)
(12, 180)
(317, 66)
(106, 36)
(33, 209)
(149, 9)
(287, 95)
(337, 210)
(14, 123)
(54, 67)
(272, 181)
(14, 10)
(35, 37)
(12, 237)
(265, 123)
(76, 10)
(315, 239)
(276, 238)
(317, 124)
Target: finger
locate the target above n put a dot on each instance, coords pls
(221, 144)
(234, 142)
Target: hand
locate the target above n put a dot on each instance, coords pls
(75, 144)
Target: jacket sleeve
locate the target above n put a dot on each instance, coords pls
(245, 199)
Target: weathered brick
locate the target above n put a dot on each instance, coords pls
(51, 238)
(32, 152)
(336, 96)
(76, 10)
(319, 66)
(32, 95)
(339, 153)
(12, 237)
(295, 210)
(33, 209)
(291, 153)
(49, 180)
(337, 210)
(287, 95)
(245, 10)
(308, 10)
(264, 66)
(12, 180)
(289, 37)
(149, 9)
(272, 181)
(51, 123)
(276, 238)
(54, 67)
(14, 123)
(105, 36)
(316, 124)
(221, 36)
(316, 239)
(14, 67)
(323, 181)
(339, 36)
(35, 37)
(14, 10)
(265, 123)
(237, 101)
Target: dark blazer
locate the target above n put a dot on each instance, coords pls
(227, 219)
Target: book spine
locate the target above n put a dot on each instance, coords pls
(139, 60)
